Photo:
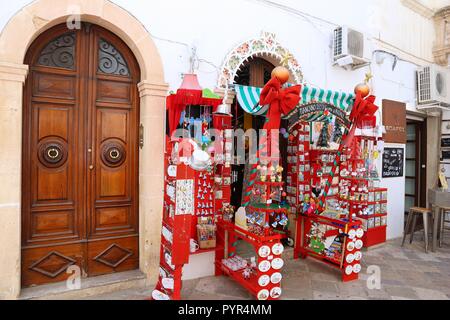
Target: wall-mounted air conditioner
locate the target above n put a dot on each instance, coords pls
(350, 48)
(433, 87)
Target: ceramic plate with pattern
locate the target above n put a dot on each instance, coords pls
(352, 234)
(358, 244)
(264, 266)
(276, 278)
(358, 255)
(348, 270)
(357, 268)
(350, 258)
(277, 263)
(277, 249)
(263, 294)
(275, 292)
(360, 233)
(264, 280)
(350, 246)
(264, 251)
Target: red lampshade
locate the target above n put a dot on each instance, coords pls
(190, 82)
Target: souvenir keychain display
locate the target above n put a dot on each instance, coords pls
(189, 185)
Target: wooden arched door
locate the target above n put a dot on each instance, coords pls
(80, 155)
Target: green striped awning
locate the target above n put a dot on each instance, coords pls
(248, 98)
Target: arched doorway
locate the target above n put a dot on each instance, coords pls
(80, 155)
(254, 72)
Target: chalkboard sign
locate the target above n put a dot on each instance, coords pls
(392, 162)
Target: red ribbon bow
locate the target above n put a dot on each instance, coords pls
(362, 115)
(281, 101)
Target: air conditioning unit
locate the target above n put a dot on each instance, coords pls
(433, 87)
(350, 48)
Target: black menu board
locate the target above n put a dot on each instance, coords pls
(393, 162)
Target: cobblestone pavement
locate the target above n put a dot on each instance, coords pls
(406, 273)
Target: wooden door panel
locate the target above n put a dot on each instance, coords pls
(113, 124)
(52, 223)
(53, 167)
(49, 264)
(108, 256)
(114, 91)
(51, 85)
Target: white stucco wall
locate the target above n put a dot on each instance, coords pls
(215, 27)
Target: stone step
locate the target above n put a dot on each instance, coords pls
(89, 287)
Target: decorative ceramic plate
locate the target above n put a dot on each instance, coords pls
(360, 233)
(263, 294)
(171, 191)
(358, 255)
(357, 268)
(172, 171)
(275, 292)
(264, 266)
(277, 248)
(167, 283)
(158, 295)
(350, 246)
(264, 251)
(276, 278)
(348, 270)
(352, 234)
(350, 258)
(277, 263)
(358, 244)
(264, 280)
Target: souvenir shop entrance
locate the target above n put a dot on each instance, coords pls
(255, 72)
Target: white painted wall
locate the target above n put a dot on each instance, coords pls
(215, 27)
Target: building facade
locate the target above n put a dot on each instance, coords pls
(163, 41)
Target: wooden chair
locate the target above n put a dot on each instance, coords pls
(444, 220)
(412, 218)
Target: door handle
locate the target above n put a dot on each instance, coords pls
(91, 166)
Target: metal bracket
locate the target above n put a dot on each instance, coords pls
(141, 136)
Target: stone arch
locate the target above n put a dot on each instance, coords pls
(266, 46)
(18, 34)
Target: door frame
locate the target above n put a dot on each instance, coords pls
(421, 160)
(15, 39)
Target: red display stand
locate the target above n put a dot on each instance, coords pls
(230, 233)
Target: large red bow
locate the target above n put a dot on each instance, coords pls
(362, 116)
(281, 101)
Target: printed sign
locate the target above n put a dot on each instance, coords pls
(305, 111)
(394, 121)
(393, 162)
